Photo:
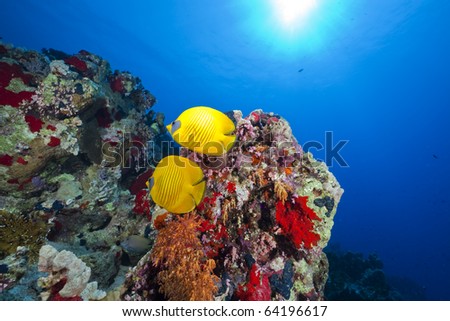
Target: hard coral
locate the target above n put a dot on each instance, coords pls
(68, 275)
(185, 272)
(296, 221)
(17, 230)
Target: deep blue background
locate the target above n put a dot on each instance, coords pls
(376, 73)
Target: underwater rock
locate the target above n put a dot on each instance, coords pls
(15, 269)
(73, 140)
(353, 277)
(73, 157)
(259, 223)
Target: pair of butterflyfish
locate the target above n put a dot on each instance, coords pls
(178, 183)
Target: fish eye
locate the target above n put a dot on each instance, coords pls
(175, 125)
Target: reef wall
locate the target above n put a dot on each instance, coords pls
(78, 143)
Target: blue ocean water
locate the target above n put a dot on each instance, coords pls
(374, 73)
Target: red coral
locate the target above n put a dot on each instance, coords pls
(116, 85)
(214, 238)
(137, 141)
(51, 127)
(22, 161)
(7, 73)
(118, 115)
(142, 204)
(296, 221)
(14, 99)
(208, 202)
(17, 182)
(103, 117)
(55, 296)
(54, 141)
(140, 182)
(58, 297)
(255, 117)
(35, 124)
(6, 160)
(273, 120)
(79, 64)
(231, 187)
(13, 181)
(257, 287)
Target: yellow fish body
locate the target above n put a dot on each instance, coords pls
(204, 130)
(177, 184)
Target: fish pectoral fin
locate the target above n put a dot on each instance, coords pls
(193, 200)
(228, 127)
(198, 191)
(230, 132)
(203, 179)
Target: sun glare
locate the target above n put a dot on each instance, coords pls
(293, 13)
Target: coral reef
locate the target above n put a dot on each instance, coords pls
(353, 277)
(68, 277)
(260, 222)
(16, 230)
(74, 161)
(73, 137)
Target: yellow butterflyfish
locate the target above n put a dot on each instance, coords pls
(204, 130)
(177, 184)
